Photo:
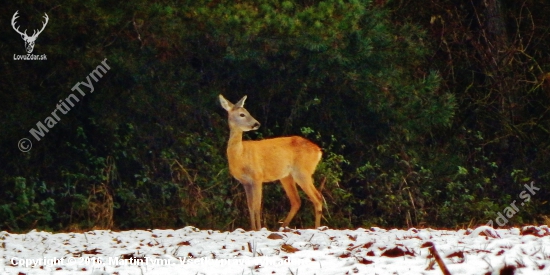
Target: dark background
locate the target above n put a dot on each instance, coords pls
(430, 113)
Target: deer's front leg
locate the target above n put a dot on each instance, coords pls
(254, 199)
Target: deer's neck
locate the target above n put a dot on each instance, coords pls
(235, 145)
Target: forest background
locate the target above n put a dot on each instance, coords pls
(429, 113)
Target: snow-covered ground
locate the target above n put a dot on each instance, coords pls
(298, 252)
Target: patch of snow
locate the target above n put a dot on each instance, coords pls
(190, 250)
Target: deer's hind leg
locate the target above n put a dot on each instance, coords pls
(306, 183)
(289, 185)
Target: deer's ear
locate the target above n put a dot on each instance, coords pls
(228, 106)
(240, 104)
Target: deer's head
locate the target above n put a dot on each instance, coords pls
(239, 118)
(29, 40)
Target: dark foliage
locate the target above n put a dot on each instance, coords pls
(429, 113)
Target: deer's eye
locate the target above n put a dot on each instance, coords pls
(242, 115)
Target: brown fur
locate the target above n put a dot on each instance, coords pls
(292, 160)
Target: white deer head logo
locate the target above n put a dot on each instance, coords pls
(29, 40)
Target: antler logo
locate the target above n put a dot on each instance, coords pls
(29, 40)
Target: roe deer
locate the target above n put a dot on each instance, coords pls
(292, 160)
